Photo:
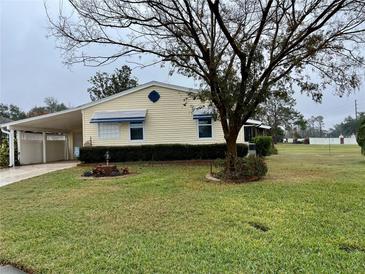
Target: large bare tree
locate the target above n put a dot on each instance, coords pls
(241, 50)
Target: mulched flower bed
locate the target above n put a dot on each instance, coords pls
(106, 171)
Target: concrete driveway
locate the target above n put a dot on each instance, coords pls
(8, 269)
(15, 174)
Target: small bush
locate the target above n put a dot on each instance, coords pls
(246, 169)
(4, 153)
(361, 136)
(88, 173)
(263, 145)
(158, 152)
(254, 167)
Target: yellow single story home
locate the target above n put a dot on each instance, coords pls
(152, 113)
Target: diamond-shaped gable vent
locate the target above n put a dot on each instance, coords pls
(154, 96)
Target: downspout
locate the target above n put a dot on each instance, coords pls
(4, 131)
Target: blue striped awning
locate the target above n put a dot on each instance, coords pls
(119, 116)
(203, 113)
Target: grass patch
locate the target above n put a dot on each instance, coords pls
(167, 218)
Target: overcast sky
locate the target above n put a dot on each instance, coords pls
(31, 67)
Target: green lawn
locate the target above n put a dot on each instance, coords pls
(166, 219)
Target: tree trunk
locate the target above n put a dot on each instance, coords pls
(231, 153)
(273, 136)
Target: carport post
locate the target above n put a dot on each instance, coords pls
(44, 146)
(11, 148)
(19, 142)
(66, 147)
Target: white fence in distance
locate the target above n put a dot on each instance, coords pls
(332, 141)
(326, 141)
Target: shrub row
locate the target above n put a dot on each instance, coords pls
(158, 152)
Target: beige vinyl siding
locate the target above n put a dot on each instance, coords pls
(168, 121)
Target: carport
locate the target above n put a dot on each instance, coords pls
(46, 138)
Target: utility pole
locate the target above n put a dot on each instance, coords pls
(356, 109)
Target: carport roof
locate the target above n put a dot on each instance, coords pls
(62, 121)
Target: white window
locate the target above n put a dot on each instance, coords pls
(109, 131)
(136, 131)
(205, 127)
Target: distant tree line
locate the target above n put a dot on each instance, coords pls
(13, 112)
(102, 85)
(348, 127)
(303, 128)
(314, 127)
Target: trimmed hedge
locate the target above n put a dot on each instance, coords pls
(158, 152)
(263, 145)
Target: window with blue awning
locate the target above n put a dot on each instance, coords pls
(202, 113)
(119, 116)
